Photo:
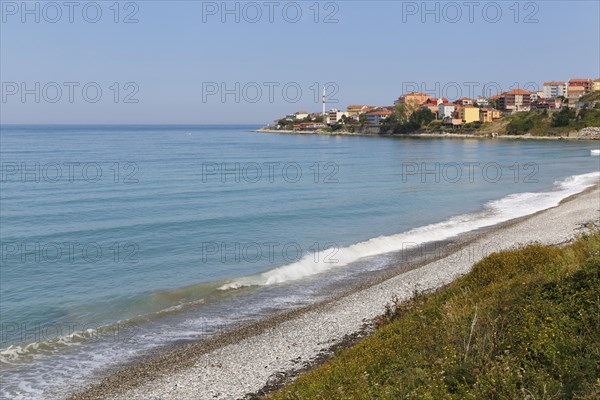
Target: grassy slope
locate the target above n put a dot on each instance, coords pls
(593, 96)
(541, 124)
(523, 324)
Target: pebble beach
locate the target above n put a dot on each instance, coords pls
(255, 358)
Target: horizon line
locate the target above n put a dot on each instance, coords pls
(125, 124)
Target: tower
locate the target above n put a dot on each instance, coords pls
(324, 95)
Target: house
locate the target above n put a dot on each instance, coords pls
(515, 100)
(574, 93)
(445, 110)
(554, 89)
(596, 85)
(482, 101)
(496, 96)
(489, 114)
(586, 83)
(533, 97)
(464, 101)
(412, 99)
(455, 122)
(335, 115)
(356, 110)
(549, 104)
(309, 125)
(297, 116)
(437, 100)
(375, 117)
(469, 113)
(434, 108)
(300, 115)
(457, 110)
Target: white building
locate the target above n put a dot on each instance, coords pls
(375, 117)
(298, 116)
(482, 101)
(445, 110)
(554, 89)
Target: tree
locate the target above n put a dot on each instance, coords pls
(422, 117)
(519, 124)
(402, 112)
(406, 118)
(564, 117)
(285, 122)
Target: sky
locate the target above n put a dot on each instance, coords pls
(237, 62)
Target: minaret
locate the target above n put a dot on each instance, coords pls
(324, 95)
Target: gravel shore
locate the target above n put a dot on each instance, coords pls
(282, 348)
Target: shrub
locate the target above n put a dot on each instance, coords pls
(564, 117)
(522, 324)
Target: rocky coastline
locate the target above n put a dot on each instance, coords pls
(588, 133)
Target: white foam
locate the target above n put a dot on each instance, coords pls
(15, 353)
(510, 207)
(595, 152)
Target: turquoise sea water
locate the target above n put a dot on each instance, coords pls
(119, 239)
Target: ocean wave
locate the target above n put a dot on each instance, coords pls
(15, 353)
(497, 211)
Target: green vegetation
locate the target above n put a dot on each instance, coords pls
(409, 118)
(592, 96)
(472, 125)
(524, 122)
(289, 123)
(406, 120)
(523, 324)
(542, 122)
(577, 120)
(564, 117)
(334, 128)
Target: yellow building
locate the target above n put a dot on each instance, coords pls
(469, 114)
(596, 85)
(489, 114)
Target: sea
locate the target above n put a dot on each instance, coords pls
(117, 241)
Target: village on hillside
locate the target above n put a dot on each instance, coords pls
(415, 111)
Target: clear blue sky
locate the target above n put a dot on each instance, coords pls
(373, 52)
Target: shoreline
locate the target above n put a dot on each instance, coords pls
(263, 355)
(445, 135)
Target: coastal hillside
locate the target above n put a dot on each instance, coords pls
(522, 324)
(543, 123)
(572, 123)
(567, 122)
(577, 117)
